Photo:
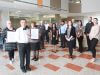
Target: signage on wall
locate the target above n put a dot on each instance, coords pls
(40, 3)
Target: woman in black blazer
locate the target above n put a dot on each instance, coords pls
(9, 46)
(70, 36)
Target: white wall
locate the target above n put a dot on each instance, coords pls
(4, 16)
(90, 5)
(45, 2)
(31, 1)
(64, 4)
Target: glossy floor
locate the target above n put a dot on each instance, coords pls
(53, 63)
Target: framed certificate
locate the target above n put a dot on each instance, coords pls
(11, 37)
(34, 33)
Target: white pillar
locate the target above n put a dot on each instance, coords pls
(4, 16)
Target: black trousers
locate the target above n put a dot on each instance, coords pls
(62, 38)
(24, 54)
(70, 46)
(42, 42)
(11, 54)
(80, 42)
(75, 43)
(36, 53)
(88, 42)
(94, 42)
(47, 36)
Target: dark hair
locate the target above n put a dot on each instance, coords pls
(54, 25)
(81, 22)
(0, 28)
(63, 21)
(34, 24)
(96, 19)
(23, 19)
(90, 17)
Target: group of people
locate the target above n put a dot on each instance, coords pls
(72, 31)
(65, 32)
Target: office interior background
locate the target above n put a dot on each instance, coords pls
(47, 10)
(50, 11)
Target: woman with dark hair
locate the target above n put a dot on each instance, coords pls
(54, 36)
(94, 36)
(79, 35)
(35, 44)
(70, 36)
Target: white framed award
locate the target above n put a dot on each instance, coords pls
(11, 37)
(34, 33)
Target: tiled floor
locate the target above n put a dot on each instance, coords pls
(53, 63)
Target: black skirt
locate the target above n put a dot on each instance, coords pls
(70, 43)
(35, 46)
(10, 46)
(54, 41)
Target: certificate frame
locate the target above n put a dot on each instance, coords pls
(34, 33)
(11, 37)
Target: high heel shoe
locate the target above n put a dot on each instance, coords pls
(33, 58)
(36, 59)
(54, 51)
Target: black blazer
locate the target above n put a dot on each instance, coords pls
(42, 29)
(4, 33)
(72, 33)
(88, 27)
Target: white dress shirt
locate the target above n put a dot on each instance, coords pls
(23, 36)
(95, 32)
(46, 26)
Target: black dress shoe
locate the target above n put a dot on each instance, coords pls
(33, 58)
(28, 68)
(87, 50)
(81, 51)
(43, 48)
(24, 70)
(60, 46)
(36, 59)
(71, 57)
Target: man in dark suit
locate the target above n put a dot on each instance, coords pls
(42, 32)
(87, 31)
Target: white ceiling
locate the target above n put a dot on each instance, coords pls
(26, 9)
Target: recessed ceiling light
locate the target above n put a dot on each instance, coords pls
(74, 1)
(77, 2)
(18, 12)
